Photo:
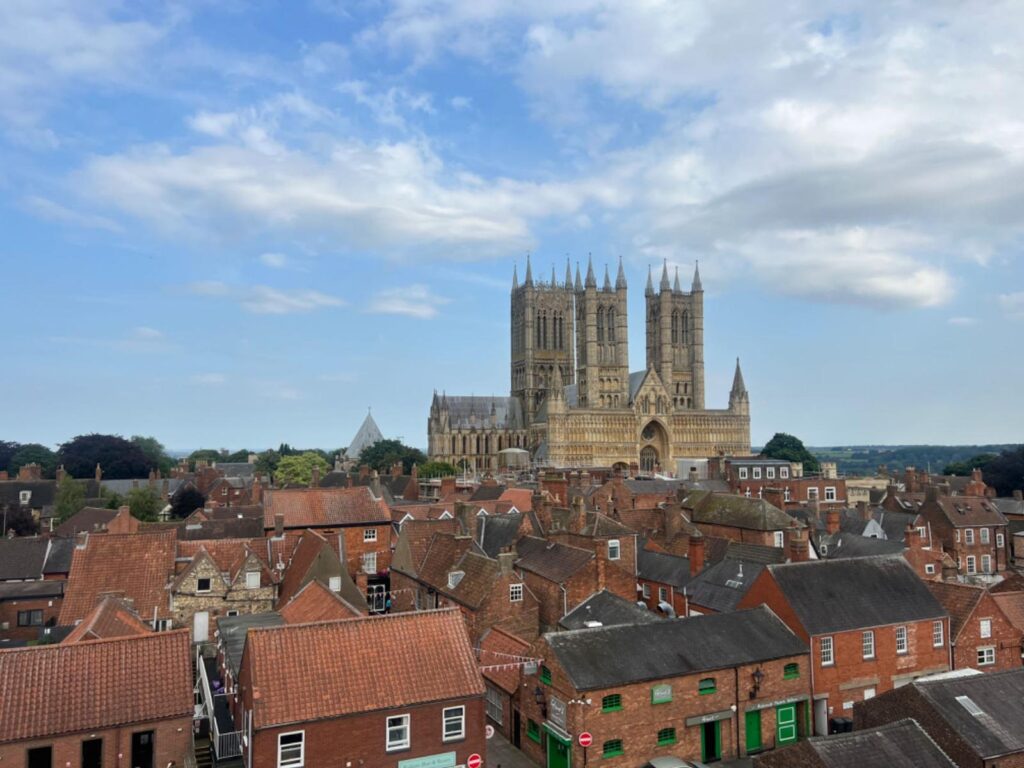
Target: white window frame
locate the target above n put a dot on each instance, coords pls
(743, 473)
(779, 538)
(987, 656)
(334, 583)
(769, 473)
(249, 579)
(209, 588)
(938, 634)
(494, 701)
(786, 495)
(830, 493)
(662, 594)
(232, 612)
(1000, 540)
(922, 532)
(405, 723)
(986, 563)
(972, 564)
(369, 562)
(968, 535)
(902, 641)
(24, 497)
(291, 762)
(957, 534)
(867, 644)
(614, 546)
(984, 535)
(784, 473)
(369, 534)
(827, 651)
(812, 493)
(646, 591)
(515, 593)
(985, 628)
(929, 569)
(458, 718)
(756, 473)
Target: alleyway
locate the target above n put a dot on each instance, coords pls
(501, 754)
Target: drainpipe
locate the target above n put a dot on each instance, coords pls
(565, 600)
(814, 725)
(737, 706)
(949, 644)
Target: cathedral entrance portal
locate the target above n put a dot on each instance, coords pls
(648, 458)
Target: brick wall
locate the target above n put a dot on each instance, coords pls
(361, 738)
(50, 606)
(742, 535)
(1005, 639)
(172, 741)
(356, 546)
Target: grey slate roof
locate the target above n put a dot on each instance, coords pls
(58, 559)
(496, 532)
(551, 560)
(232, 631)
(25, 590)
(487, 493)
(467, 411)
(736, 511)
(85, 520)
(368, 434)
(242, 469)
(721, 587)
(605, 657)
(999, 696)
(123, 487)
(609, 609)
(663, 568)
(903, 744)
(22, 558)
(853, 545)
(855, 593)
(894, 523)
(1009, 506)
(42, 492)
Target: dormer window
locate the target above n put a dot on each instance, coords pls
(757, 473)
(784, 473)
(614, 549)
(202, 585)
(743, 473)
(252, 580)
(25, 497)
(454, 578)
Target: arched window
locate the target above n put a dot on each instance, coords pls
(600, 324)
(675, 327)
(463, 443)
(538, 330)
(487, 444)
(611, 324)
(684, 337)
(453, 444)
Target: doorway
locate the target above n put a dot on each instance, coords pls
(711, 741)
(376, 597)
(517, 725)
(40, 757)
(785, 724)
(559, 754)
(752, 726)
(92, 753)
(201, 627)
(821, 717)
(142, 749)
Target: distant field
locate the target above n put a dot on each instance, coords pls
(865, 459)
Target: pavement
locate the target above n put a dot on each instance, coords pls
(501, 754)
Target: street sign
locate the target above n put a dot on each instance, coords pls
(586, 739)
(474, 761)
(489, 731)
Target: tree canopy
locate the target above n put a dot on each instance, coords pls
(790, 448)
(33, 453)
(145, 503)
(964, 468)
(298, 469)
(69, 499)
(1005, 472)
(187, 502)
(382, 454)
(20, 520)
(437, 469)
(119, 458)
(155, 452)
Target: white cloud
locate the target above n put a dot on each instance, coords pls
(1012, 304)
(412, 301)
(211, 379)
(460, 103)
(962, 321)
(147, 333)
(264, 300)
(48, 209)
(388, 107)
(274, 260)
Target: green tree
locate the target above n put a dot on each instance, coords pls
(266, 462)
(145, 503)
(1005, 472)
(964, 468)
(382, 454)
(34, 453)
(154, 450)
(789, 448)
(204, 454)
(437, 469)
(237, 456)
(298, 469)
(69, 499)
(119, 458)
(187, 502)
(20, 520)
(111, 499)
(7, 451)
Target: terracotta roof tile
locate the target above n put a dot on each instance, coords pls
(429, 659)
(1012, 605)
(310, 545)
(550, 560)
(306, 507)
(959, 600)
(136, 566)
(522, 498)
(94, 684)
(414, 541)
(315, 602)
(962, 511)
(113, 617)
(497, 654)
(443, 552)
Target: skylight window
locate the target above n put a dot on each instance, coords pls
(969, 705)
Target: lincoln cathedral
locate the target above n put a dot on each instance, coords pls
(574, 401)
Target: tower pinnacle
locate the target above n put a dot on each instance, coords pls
(696, 278)
(529, 272)
(675, 283)
(591, 282)
(649, 290)
(607, 280)
(620, 279)
(664, 276)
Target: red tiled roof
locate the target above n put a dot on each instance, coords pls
(959, 600)
(1012, 605)
(414, 540)
(498, 652)
(442, 553)
(963, 511)
(136, 566)
(307, 507)
(309, 672)
(315, 602)
(226, 553)
(111, 618)
(310, 545)
(522, 498)
(49, 690)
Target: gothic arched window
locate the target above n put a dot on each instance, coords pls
(600, 324)
(611, 324)
(684, 337)
(675, 327)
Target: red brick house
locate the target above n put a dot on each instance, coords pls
(737, 518)
(113, 617)
(26, 607)
(706, 688)
(124, 701)
(871, 624)
(315, 558)
(971, 529)
(981, 634)
(501, 655)
(316, 602)
(377, 691)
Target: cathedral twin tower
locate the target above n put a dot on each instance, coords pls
(573, 399)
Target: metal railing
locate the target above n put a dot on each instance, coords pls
(225, 745)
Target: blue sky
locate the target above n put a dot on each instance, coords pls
(232, 224)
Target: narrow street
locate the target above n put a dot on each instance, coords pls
(501, 754)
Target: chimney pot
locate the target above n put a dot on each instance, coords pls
(696, 553)
(278, 525)
(505, 562)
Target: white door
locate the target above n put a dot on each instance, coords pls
(821, 717)
(201, 627)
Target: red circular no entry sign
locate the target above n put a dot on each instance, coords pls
(474, 761)
(586, 739)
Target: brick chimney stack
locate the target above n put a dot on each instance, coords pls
(278, 525)
(863, 511)
(696, 553)
(60, 473)
(832, 522)
(505, 562)
(314, 481)
(797, 543)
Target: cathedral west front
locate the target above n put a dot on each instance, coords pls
(574, 401)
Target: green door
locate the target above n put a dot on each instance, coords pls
(785, 724)
(753, 729)
(558, 753)
(711, 741)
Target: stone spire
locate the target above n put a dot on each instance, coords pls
(568, 274)
(553, 281)
(739, 400)
(649, 291)
(665, 285)
(738, 387)
(515, 277)
(620, 279)
(591, 282)
(675, 283)
(696, 278)
(579, 282)
(607, 280)
(557, 387)
(529, 272)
